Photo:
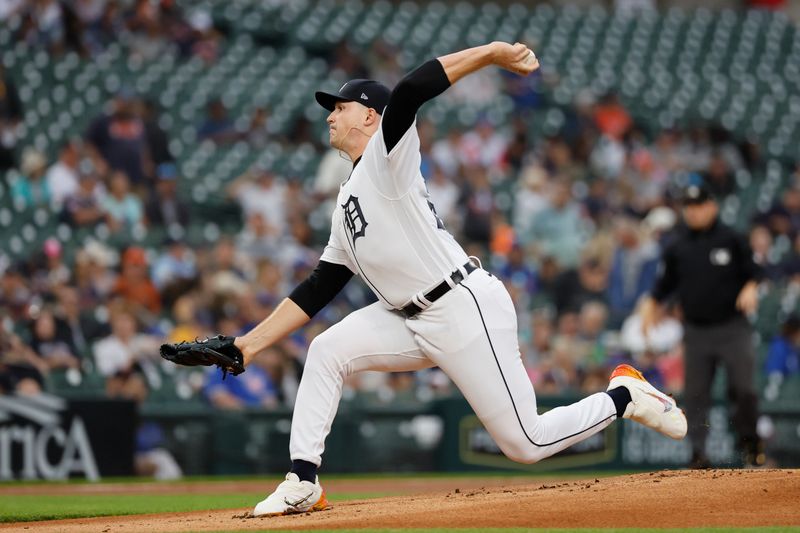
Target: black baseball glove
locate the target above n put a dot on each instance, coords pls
(217, 350)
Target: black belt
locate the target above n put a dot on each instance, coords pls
(440, 290)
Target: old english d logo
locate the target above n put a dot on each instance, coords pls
(354, 218)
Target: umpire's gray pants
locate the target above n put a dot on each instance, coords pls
(729, 344)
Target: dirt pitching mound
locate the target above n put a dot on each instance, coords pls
(657, 499)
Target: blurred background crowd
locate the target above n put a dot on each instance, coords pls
(568, 202)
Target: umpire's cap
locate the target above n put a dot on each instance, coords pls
(366, 92)
(696, 193)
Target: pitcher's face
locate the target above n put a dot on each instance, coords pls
(345, 117)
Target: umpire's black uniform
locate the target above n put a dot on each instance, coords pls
(707, 267)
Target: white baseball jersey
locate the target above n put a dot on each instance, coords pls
(384, 228)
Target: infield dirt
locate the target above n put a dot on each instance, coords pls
(651, 500)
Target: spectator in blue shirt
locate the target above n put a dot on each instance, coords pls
(559, 229)
(31, 189)
(120, 138)
(176, 263)
(516, 271)
(175, 271)
(254, 388)
(124, 208)
(782, 356)
(633, 269)
(217, 126)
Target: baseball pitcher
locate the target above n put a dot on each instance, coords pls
(437, 306)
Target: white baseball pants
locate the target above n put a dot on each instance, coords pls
(471, 334)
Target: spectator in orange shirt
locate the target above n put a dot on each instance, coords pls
(134, 284)
(611, 117)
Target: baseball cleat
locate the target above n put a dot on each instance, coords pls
(293, 496)
(649, 406)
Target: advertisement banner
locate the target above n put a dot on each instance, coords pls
(48, 437)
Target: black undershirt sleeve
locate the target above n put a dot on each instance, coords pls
(321, 286)
(417, 87)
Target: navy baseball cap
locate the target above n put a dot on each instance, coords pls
(366, 92)
(696, 193)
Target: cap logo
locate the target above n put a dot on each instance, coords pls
(343, 86)
(720, 256)
(364, 96)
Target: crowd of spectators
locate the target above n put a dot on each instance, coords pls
(572, 222)
(87, 27)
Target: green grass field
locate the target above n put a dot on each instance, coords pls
(29, 507)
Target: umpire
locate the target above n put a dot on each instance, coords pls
(710, 268)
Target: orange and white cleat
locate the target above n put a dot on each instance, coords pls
(293, 496)
(649, 406)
